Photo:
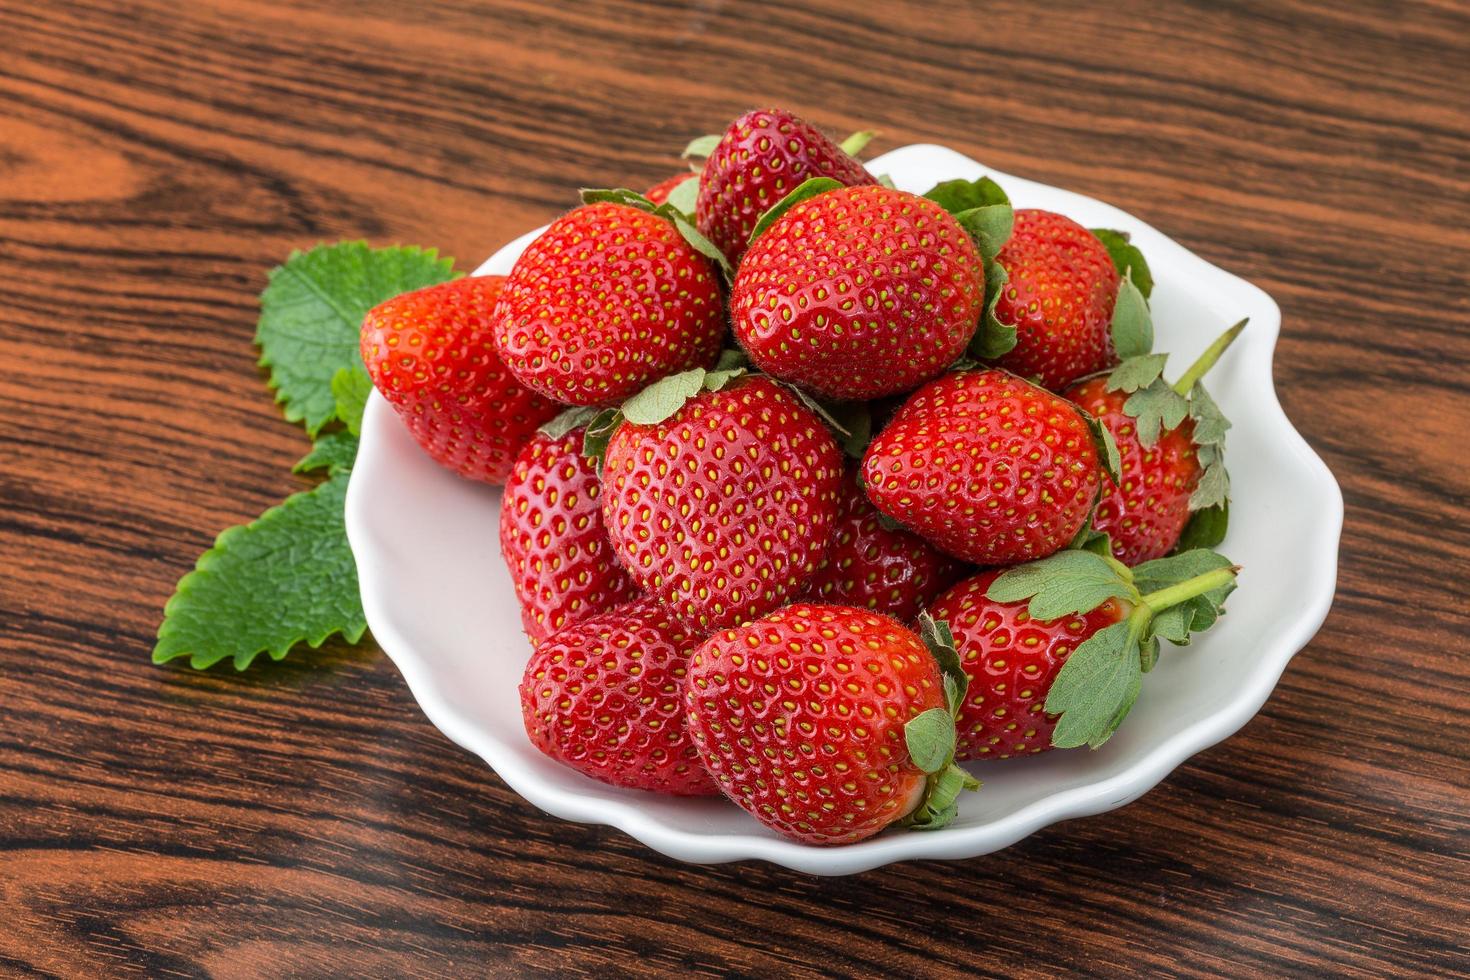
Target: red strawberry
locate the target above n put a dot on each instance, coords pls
(1055, 651)
(802, 716)
(659, 193)
(1012, 660)
(869, 566)
(858, 293)
(429, 353)
(1059, 297)
(1162, 466)
(605, 301)
(724, 509)
(553, 540)
(986, 467)
(605, 697)
(763, 156)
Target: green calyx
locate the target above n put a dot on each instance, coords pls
(1127, 258)
(669, 212)
(984, 210)
(931, 736)
(808, 188)
(1170, 598)
(1158, 407)
(701, 147)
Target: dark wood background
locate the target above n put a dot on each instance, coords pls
(303, 818)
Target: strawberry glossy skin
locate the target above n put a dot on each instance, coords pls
(605, 697)
(1011, 660)
(859, 293)
(724, 510)
(1059, 297)
(986, 467)
(1146, 514)
(762, 157)
(428, 352)
(552, 537)
(607, 300)
(868, 566)
(800, 716)
(659, 193)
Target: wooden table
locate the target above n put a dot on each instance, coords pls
(156, 158)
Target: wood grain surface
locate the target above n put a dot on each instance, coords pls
(304, 819)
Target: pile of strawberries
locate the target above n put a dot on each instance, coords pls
(815, 487)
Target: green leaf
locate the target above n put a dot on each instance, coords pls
(685, 195)
(1096, 687)
(1156, 407)
(930, 738)
(1180, 589)
(701, 147)
(1089, 538)
(572, 418)
(1126, 257)
(599, 433)
(333, 451)
(1137, 372)
(696, 238)
(993, 338)
(1206, 528)
(939, 807)
(616, 195)
(1063, 584)
(350, 388)
(822, 411)
(808, 188)
(963, 195)
(311, 316)
(940, 643)
(1133, 327)
(1210, 424)
(1107, 446)
(286, 578)
(990, 226)
(663, 398)
(884, 180)
(857, 421)
(1213, 489)
(732, 358)
(857, 142)
(1152, 576)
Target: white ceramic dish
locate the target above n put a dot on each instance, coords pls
(440, 603)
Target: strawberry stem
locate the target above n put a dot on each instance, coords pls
(1157, 602)
(1207, 360)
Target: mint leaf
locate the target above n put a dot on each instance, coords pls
(333, 451)
(285, 578)
(1063, 584)
(311, 313)
(1127, 259)
(350, 388)
(808, 188)
(1096, 687)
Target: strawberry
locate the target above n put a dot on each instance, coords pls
(1012, 661)
(986, 467)
(552, 538)
(429, 354)
(763, 156)
(1059, 297)
(1164, 457)
(872, 567)
(723, 508)
(1055, 650)
(858, 293)
(826, 723)
(608, 299)
(659, 193)
(605, 697)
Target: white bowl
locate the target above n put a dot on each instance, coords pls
(440, 603)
